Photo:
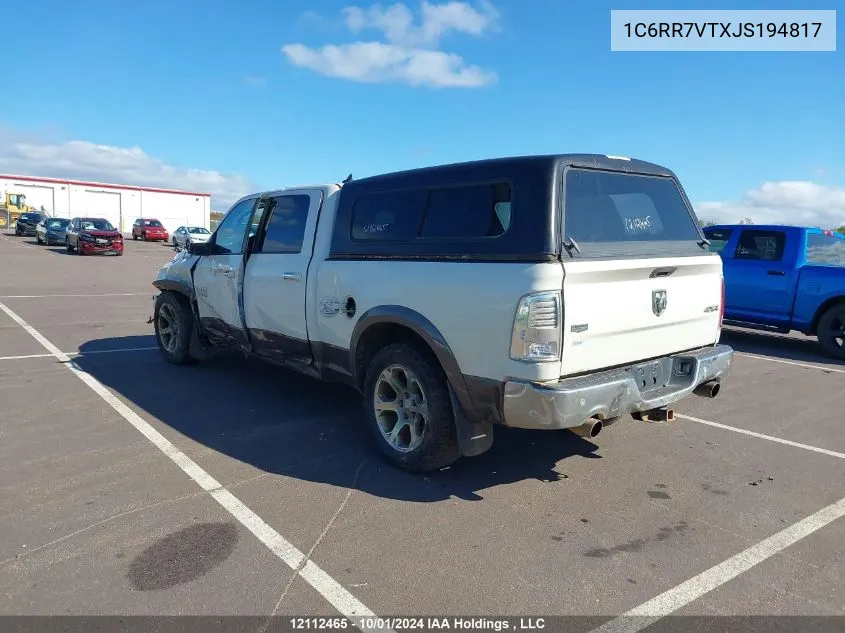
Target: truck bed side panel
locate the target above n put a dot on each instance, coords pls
(471, 304)
(816, 285)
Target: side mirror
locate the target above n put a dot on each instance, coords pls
(201, 248)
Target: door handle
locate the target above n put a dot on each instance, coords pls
(291, 276)
(778, 273)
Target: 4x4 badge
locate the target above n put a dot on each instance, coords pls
(658, 302)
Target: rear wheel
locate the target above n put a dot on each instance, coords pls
(831, 331)
(408, 409)
(174, 324)
(68, 247)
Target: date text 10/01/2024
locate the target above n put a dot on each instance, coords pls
(721, 29)
(370, 623)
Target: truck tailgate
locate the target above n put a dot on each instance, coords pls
(621, 311)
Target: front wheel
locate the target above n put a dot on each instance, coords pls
(408, 409)
(174, 323)
(68, 247)
(38, 239)
(831, 331)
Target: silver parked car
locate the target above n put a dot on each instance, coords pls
(184, 236)
(51, 231)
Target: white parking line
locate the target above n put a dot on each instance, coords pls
(113, 351)
(95, 351)
(762, 436)
(25, 357)
(3, 237)
(335, 593)
(108, 294)
(678, 597)
(790, 362)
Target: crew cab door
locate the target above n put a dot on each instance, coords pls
(218, 277)
(760, 275)
(276, 275)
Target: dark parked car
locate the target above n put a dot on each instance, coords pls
(51, 231)
(88, 236)
(27, 222)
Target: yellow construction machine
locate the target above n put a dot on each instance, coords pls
(11, 209)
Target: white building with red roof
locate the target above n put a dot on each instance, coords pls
(119, 204)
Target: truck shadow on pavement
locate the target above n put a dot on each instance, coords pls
(287, 424)
(805, 349)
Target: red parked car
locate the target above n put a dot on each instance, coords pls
(88, 236)
(149, 229)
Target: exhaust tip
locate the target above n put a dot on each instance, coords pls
(590, 428)
(708, 389)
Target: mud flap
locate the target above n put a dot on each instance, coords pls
(474, 438)
(198, 348)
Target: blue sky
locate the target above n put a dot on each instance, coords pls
(202, 95)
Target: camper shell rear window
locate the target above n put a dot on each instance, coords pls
(622, 212)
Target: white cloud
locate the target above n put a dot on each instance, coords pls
(396, 22)
(374, 62)
(410, 52)
(782, 202)
(81, 160)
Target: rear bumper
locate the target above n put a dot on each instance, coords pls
(609, 394)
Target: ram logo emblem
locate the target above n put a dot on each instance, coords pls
(658, 302)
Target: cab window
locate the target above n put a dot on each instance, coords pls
(760, 245)
(286, 226)
(718, 238)
(231, 232)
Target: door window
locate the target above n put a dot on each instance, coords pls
(760, 245)
(230, 235)
(718, 239)
(286, 226)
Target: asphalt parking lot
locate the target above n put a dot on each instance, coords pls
(132, 487)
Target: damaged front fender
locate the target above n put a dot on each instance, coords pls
(178, 275)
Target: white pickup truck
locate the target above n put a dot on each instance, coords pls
(543, 292)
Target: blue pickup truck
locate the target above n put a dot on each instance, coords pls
(784, 278)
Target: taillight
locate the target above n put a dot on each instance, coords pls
(537, 328)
